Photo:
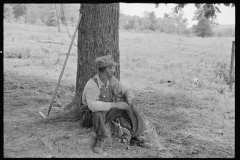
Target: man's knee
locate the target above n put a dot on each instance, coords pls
(98, 114)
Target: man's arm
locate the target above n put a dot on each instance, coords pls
(94, 105)
(120, 91)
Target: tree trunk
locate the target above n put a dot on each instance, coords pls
(57, 18)
(202, 34)
(25, 13)
(98, 35)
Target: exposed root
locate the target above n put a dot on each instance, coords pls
(72, 113)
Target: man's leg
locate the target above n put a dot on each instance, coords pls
(132, 116)
(100, 129)
(99, 123)
(135, 120)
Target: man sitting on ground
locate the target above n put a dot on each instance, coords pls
(99, 94)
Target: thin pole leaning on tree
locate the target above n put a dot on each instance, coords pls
(65, 62)
(231, 65)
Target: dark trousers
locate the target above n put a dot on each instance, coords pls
(100, 118)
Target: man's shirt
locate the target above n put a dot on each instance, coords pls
(91, 93)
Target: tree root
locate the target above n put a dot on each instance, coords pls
(72, 113)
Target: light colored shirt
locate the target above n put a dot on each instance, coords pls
(91, 94)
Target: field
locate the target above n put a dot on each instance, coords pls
(176, 81)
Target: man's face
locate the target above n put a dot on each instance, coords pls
(110, 71)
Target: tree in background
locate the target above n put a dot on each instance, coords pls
(69, 13)
(205, 25)
(204, 10)
(172, 23)
(52, 19)
(203, 28)
(20, 10)
(33, 14)
(208, 11)
(133, 23)
(39, 13)
(47, 14)
(149, 21)
(153, 20)
(166, 25)
(73, 16)
(127, 22)
(8, 11)
(63, 13)
(123, 20)
(180, 23)
(145, 24)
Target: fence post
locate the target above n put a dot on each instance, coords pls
(231, 65)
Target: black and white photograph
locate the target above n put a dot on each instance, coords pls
(118, 80)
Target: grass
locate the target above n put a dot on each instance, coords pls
(193, 120)
(200, 107)
(165, 54)
(160, 53)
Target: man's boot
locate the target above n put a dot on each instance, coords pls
(99, 145)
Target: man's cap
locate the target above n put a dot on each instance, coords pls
(105, 61)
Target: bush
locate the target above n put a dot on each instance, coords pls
(18, 53)
(228, 32)
(219, 34)
(8, 11)
(222, 70)
(52, 21)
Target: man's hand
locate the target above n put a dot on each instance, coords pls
(120, 105)
(130, 101)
